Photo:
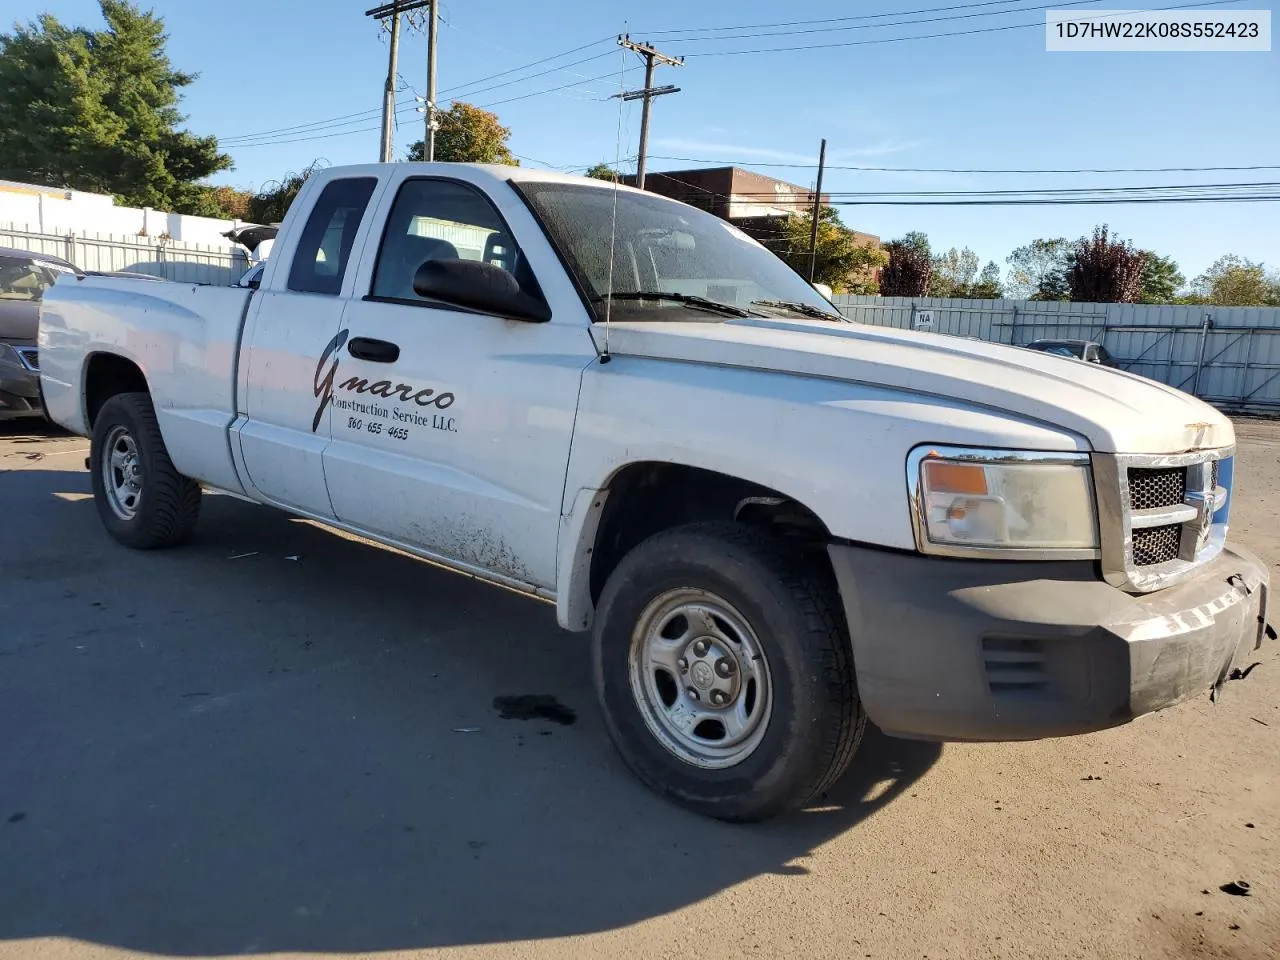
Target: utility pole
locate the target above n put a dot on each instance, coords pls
(430, 142)
(651, 56)
(817, 211)
(393, 10)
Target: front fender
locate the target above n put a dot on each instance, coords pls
(838, 448)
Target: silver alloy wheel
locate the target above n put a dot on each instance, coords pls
(122, 473)
(700, 678)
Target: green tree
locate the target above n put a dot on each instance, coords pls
(97, 110)
(602, 171)
(1038, 271)
(1161, 279)
(1234, 281)
(954, 273)
(1105, 269)
(988, 286)
(468, 134)
(910, 268)
(841, 261)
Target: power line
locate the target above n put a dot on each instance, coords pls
(408, 107)
(880, 26)
(535, 63)
(358, 116)
(332, 129)
(355, 117)
(1047, 191)
(1051, 202)
(864, 16)
(538, 93)
(1004, 170)
(532, 76)
(933, 36)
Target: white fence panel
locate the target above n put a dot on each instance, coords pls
(181, 262)
(1229, 356)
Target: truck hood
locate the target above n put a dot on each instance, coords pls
(19, 320)
(1116, 412)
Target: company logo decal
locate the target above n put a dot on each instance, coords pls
(325, 384)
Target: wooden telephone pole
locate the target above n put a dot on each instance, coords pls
(817, 211)
(652, 57)
(393, 10)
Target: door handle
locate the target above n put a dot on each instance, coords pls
(375, 351)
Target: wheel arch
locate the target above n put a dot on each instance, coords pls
(105, 375)
(645, 497)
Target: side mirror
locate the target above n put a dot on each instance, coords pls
(480, 286)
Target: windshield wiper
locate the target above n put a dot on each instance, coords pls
(688, 299)
(798, 307)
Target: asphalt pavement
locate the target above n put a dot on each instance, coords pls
(281, 740)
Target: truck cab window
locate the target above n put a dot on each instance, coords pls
(442, 220)
(320, 262)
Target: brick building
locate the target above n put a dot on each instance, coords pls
(752, 202)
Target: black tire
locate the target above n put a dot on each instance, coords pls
(169, 504)
(791, 603)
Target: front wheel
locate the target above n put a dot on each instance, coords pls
(724, 671)
(142, 500)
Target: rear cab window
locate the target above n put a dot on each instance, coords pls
(324, 249)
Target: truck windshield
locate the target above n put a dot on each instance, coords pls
(664, 247)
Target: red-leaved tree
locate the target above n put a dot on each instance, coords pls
(1105, 269)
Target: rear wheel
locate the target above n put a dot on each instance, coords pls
(724, 672)
(142, 499)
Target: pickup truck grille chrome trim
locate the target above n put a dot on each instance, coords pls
(1149, 540)
(1162, 516)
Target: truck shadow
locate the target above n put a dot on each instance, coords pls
(277, 740)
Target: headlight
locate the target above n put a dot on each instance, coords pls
(997, 503)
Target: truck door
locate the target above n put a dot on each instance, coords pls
(287, 348)
(451, 427)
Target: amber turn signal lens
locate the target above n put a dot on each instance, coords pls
(944, 477)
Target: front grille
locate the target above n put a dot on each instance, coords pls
(1156, 487)
(1154, 545)
(1213, 474)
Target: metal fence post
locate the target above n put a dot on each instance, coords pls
(69, 247)
(1204, 340)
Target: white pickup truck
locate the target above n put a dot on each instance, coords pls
(776, 523)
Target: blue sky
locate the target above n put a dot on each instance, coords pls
(989, 100)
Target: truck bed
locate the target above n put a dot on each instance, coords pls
(185, 340)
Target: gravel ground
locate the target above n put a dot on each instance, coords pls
(278, 740)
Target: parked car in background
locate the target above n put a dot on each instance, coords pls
(1089, 351)
(25, 275)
